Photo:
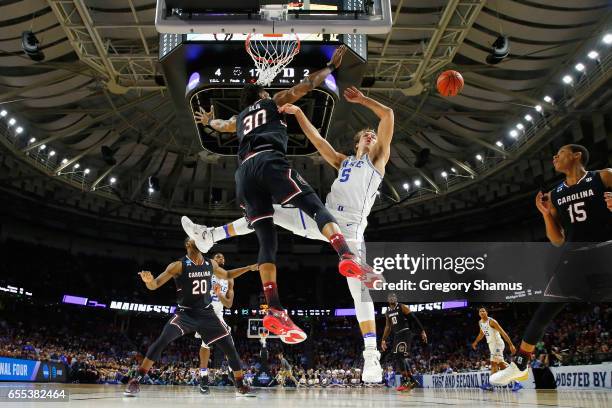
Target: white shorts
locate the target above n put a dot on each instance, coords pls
(219, 314)
(497, 352)
(294, 220)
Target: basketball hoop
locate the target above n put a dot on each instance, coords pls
(271, 53)
(263, 332)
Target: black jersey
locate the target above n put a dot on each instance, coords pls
(261, 127)
(582, 209)
(193, 285)
(399, 321)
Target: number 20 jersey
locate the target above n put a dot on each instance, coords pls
(582, 209)
(193, 285)
(261, 127)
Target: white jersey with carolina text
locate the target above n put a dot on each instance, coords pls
(492, 335)
(353, 193)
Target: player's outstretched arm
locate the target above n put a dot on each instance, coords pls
(384, 134)
(497, 326)
(606, 178)
(172, 270)
(313, 80)
(406, 311)
(224, 126)
(478, 338)
(234, 273)
(383, 341)
(554, 232)
(326, 150)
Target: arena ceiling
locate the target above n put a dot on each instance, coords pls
(100, 84)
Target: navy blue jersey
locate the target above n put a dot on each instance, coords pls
(193, 285)
(399, 321)
(261, 127)
(582, 209)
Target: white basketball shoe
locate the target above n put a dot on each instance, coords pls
(372, 371)
(201, 234)
(508, 374)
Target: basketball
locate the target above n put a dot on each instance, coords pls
(450, 83)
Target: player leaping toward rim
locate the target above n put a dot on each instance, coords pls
(265, 176)
(350, 201)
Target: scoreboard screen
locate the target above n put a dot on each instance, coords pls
(241, 75)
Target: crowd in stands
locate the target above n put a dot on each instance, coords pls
(101, 346)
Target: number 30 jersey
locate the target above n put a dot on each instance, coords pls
(193, 285)
(261, 127)
(354, 190)
(582, 209)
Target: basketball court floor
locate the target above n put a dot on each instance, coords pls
(82, 395)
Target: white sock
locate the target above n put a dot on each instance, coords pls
(241, 227)
(369, 342)
(203, 372)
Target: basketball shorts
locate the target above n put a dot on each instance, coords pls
(264, 179)
(294, 220)
(402, 341)
(202, 321)
(218, 309)
(497, 352)
(583, 274)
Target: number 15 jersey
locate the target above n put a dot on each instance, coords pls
(261, 127)
(193, 285)
(582, 209)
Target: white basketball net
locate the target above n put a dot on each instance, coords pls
(271, 54)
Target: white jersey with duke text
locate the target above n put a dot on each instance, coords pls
(490, 333)
(494, 340)
(217, 305)
(353, 193)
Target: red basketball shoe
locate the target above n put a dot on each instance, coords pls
(278, 322)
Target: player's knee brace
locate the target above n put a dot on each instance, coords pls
(545, 314)
(312, 205)
(226, 344)
(364, 308)
(169, 334)
(268, 240)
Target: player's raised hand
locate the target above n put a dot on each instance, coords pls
(512, 349)
(336, 59)
(202, 117)
(146, 276)
(383, 345)
(353, 95)
(289, 108)
(543, 203)
(254, 267)
(608, 198)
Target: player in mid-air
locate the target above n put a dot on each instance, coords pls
(351, 198)
(222, 296)
(396, 322)
(577, 212)
(265, 176)
(192, 275)
(490, 329)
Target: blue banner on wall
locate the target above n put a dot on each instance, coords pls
(13, 369)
